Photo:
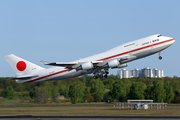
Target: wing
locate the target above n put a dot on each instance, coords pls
(67, 65)
(91, 65)
(70, 65)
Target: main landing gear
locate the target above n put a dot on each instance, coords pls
(101, 74)
(160, 58)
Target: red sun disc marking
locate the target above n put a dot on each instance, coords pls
(21, 65)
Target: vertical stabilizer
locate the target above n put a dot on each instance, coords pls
(20, 66)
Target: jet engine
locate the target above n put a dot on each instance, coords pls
(116, 64)
(113, 63)
(86, 66)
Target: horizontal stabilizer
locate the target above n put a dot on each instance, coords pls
(24, 78)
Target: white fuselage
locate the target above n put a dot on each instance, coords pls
(133, 50)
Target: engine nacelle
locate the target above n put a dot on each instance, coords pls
(113, 63)
(122, 65)
(87, 66)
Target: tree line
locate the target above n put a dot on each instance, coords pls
(86, 89)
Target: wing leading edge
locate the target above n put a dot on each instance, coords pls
(70, 65)
(76, 65)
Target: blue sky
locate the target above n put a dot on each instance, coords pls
(64, 31)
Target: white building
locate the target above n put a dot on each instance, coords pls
(152, 73)
(124, 73)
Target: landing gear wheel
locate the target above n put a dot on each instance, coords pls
(107, 72)
(101, 76)
(105, 76)
(160, 57)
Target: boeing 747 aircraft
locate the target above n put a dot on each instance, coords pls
(98, 64)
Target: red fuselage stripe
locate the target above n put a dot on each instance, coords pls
(138, 49)
(47, 76)
(135, 50)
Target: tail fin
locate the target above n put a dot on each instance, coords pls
(20, 66)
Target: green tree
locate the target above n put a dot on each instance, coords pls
(97, 89)
(32, 92)
(108, 98)
(88, 97)
(169, 92)
(148, 92)
(176, 89)
(144, 75)
(87, 90)
(175, 77)
(137, 90)
(66, 92)
(84, 80)
(128, 83)
(49, 89)
(9, 92)
(117, 77)
(76, 92)
(119, 91)
(20, 87)
(109, 83)
(41, 95)
(54, 93)
(159, 93)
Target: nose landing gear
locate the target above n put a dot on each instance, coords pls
(160, 58)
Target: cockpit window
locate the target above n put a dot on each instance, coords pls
(159, 35)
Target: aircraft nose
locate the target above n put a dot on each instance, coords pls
(171, 40)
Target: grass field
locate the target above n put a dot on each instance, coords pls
(81, 110)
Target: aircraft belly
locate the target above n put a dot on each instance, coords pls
(151, 50)
(160, 48)
(66, 75)
(69, 74)
(146, 52)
